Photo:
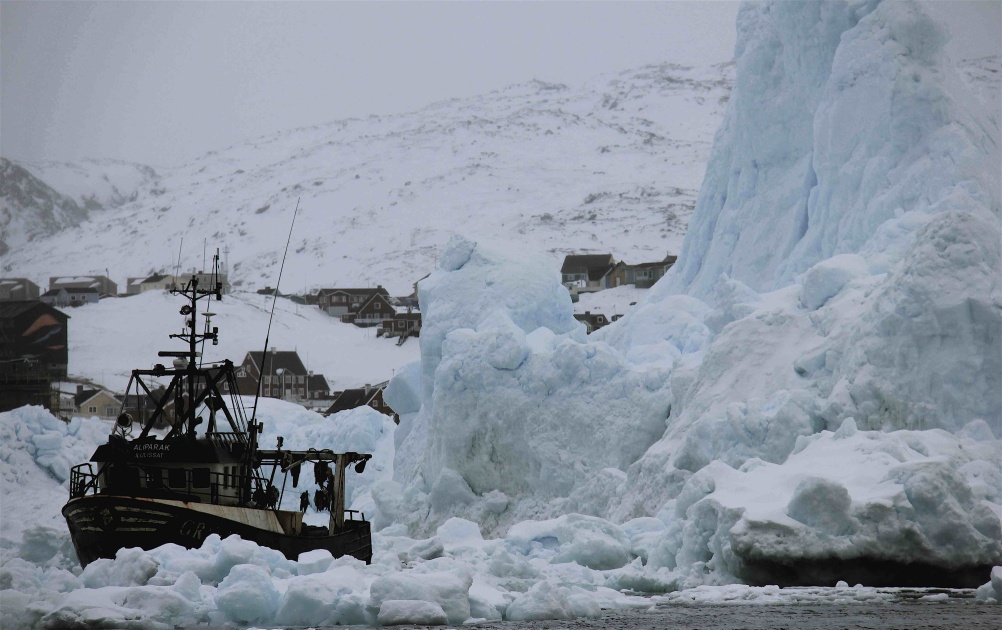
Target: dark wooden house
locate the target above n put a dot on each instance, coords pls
(586, 272)
(33, 353)
(370, 395)
(592, 321)
(372, 312)
(282, 374)
(338, 302)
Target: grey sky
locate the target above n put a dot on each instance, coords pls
(163, 82)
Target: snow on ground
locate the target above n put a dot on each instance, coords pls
(609, 302)
(111, 338)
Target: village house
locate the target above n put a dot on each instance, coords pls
(70, 296)
(592, 321)
(14, 289)
(102, 284)
(318, 387)
(372, 312)
(155, 282)
(582, 273)
(33, 353)
(370, 395)
(406, 322)
(338, 302)
(282, 375)
(643, 275)
(96, 402)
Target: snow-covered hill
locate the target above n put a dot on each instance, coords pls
(610, 166)
(111, 338)
(39, 200)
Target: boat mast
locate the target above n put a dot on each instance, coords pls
(193, 337)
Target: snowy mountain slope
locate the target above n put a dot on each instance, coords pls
(30, 208)
(38, 200)
(538, 168)
(97, 184)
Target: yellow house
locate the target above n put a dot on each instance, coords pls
(96, 402)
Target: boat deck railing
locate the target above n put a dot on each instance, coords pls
(228, 439)
(191, 485)
(82, 482)
(198, 485)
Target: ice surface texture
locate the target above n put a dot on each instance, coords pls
(840, 278)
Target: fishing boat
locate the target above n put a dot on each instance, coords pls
(204, 473)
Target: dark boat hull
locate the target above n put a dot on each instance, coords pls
(100, 525)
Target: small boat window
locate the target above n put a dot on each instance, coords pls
(176, 478)
(199, 477)
(154, 478)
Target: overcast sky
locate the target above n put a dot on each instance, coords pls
(163, 82)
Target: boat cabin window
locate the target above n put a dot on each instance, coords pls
(122, 478)
(199, 477)
(154, 478)
(176, 478)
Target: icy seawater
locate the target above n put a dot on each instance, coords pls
(906, 614)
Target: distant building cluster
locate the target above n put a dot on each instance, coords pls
(33, 334)
(584, 273)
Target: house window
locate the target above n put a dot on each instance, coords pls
(300, 390)
(300, 379)
(109, 411)
(91, 409)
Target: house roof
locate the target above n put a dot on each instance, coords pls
(86, 395)
(382, 297)
(157, 277)
(317, 383)
(75, 279)
(650, 265)
(368, 291)
(595, 265)
(287, 360)
(14, 308)
(16, 282)
(352, 398)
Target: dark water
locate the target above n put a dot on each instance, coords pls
(902, 615)
(961, 611)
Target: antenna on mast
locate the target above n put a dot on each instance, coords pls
(177, 273)
(274, 299)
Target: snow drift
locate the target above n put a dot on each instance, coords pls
(838, 292)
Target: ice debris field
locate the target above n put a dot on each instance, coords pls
(810, 396)
(562, 568)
